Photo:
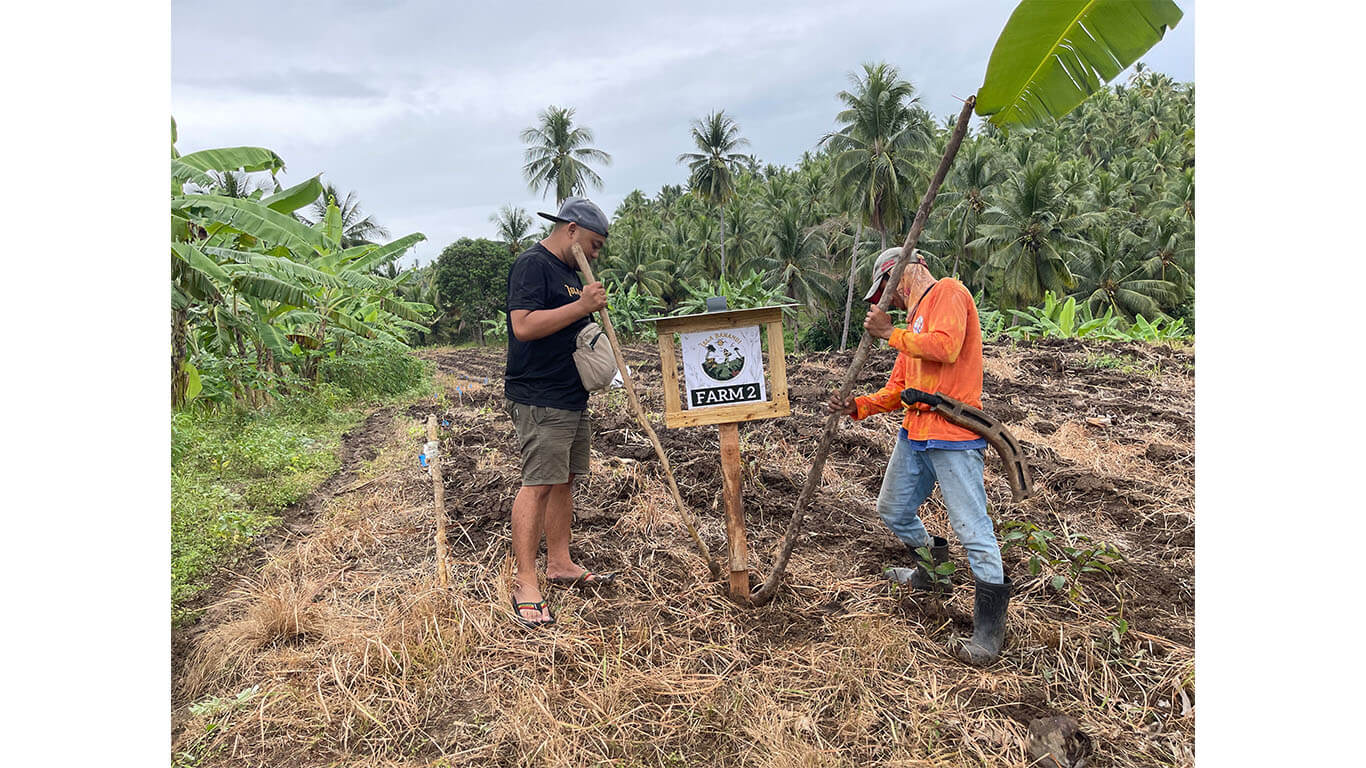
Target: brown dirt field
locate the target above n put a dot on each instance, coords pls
(345, 652)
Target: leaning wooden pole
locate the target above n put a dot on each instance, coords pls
(688, 522)
(443, 575)
(813, 476)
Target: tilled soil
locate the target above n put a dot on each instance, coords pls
(1122, 470)
(371, 664)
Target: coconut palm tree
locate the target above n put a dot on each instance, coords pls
(358, 228)
(975, 175)
(791, 260)
(742, 232)
(1180, 195)
(714, 166)
(668, 195)
(812, 187)
(871, 153)
(1109, 276)
(238, 184)
(514, 227)
(634, 205)
(1029, 238)
(639, 263)
(879, 137)
(557, 155)
(1171, 250)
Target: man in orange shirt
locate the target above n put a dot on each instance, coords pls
(940, 351)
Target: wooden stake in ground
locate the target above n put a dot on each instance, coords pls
(712, 568)
(813, 477)
(729, 433)
(443, 575)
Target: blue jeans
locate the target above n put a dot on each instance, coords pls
(910, 478)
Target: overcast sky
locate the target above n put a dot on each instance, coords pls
(417, 106)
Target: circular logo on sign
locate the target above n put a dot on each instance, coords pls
(723, 361)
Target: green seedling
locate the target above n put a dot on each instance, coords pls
(1066, 563)
(941, 575)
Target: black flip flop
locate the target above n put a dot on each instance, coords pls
(538, 605)
(585, 581)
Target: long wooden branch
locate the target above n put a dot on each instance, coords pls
(688, 522)
(813, 477)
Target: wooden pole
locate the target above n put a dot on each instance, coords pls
(443, 575)
(683, 513)
(813, 476)
(735, 511)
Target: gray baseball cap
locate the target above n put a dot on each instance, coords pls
(581, 211)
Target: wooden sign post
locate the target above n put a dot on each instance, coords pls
(723, 371)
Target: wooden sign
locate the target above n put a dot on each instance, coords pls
(724, 384)
(713, 400)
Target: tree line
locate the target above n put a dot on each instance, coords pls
(1099, 206)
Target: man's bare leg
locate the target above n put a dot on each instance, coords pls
(559, 513)
(528, 518)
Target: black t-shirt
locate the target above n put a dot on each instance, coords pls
(542, 372)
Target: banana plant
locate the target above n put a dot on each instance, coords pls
(249, 270)
(348, 299)
(195, 277)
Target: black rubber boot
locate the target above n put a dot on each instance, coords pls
(917, 577)
(988, 624)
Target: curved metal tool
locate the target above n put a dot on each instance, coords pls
(978, 421)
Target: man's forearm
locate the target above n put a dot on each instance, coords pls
(937, 346)
(530, 325)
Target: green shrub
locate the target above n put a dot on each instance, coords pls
(496, 329)
(381, 371)
(628, 309)
(821, 334)
(745, 292)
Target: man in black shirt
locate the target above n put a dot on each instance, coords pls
(547, 306)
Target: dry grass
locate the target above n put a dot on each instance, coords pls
(358, 659)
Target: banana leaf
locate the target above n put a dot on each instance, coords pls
(252, 218)
(344, 320)
(413, 311)
(193, 383)
(186, 173)
(1053, 54)
(332, 225)
(386, 253)
(296, 197)
(226, 159)
(268, 288)
(198, 261)
(416, 327)
(273, 340)
(278, 266)
(303, 341)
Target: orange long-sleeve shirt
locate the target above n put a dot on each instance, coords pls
(939, 351)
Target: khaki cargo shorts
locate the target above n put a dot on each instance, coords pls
(553, 442)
